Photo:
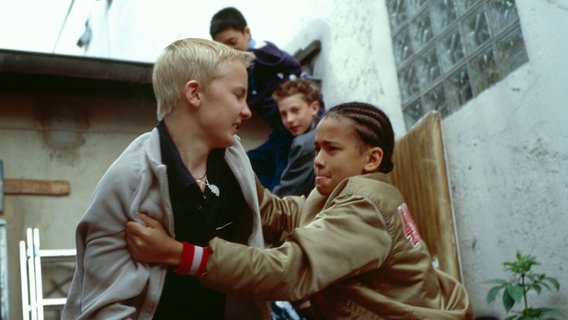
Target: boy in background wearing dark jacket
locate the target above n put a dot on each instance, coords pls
(271, 67)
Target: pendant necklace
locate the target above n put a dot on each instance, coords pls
(213, 188)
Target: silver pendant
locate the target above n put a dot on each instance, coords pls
(214, 189)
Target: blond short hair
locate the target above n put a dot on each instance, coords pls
(190, 59)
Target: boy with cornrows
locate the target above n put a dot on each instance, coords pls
(352, 248)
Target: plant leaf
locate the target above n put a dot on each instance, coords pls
(550, 312)
(538, 288)
(508, 301)
(516, 292)
(553, 281)
(492, 294)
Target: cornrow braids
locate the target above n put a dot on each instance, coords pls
(371, 124)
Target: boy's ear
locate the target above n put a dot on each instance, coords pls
(246, 32)
(315, 107)
(374, 159)
(192, 93)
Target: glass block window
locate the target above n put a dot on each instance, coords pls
(449, 51)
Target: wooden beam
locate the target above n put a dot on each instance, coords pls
(36, 187)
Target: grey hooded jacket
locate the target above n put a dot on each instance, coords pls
(108, 283)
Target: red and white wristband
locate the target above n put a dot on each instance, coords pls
(193, 260)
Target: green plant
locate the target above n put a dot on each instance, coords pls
(515, 290)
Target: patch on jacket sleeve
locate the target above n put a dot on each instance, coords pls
(410, 230)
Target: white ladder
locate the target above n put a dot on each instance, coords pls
(30, 271)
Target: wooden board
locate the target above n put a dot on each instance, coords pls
(35, 187)
(420, 174)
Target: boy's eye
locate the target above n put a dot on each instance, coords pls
(240, 94)
(332, 148)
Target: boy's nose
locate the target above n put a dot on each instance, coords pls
(318, 160)
(245, 112)
(289, 119)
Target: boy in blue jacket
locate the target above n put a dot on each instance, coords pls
(271, 67)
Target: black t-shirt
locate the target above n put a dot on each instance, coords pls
(198, 218)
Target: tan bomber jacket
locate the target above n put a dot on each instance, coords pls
(356, 254)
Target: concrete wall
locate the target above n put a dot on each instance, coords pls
(507, 156)
(33, 145)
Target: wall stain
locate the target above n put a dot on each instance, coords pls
(63, 123)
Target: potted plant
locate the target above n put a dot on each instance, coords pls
(517, 288)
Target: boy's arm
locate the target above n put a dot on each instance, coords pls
(272, 66)
(279, 60)
(298, 177)
(349, 239)
(279, 214)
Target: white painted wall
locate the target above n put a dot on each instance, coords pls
(356, 61)
(507, 156)
(506, 150)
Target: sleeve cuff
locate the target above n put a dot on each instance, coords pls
(193, 260)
